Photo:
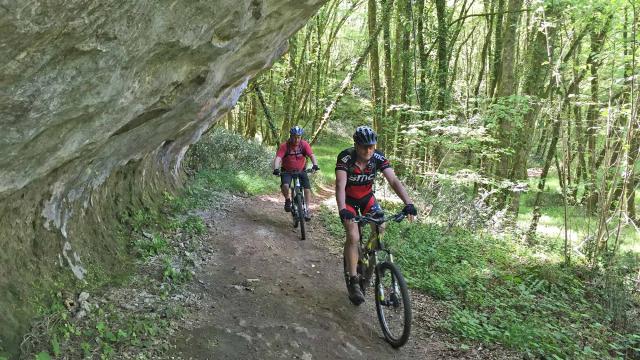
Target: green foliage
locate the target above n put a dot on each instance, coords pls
(223, 161)
(194, 225)
(509, 108)
(326, 152)
(110, 331)
(147, 247)
(175, 274)
(141, 219)
(331, 221)
(248, 182)
(221, 149)
(104, 331)
(43, 356)
(191, 225)
(498, 293)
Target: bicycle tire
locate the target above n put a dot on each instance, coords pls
(300, 205)
(294, 215)
(383, 308)
(294, 212)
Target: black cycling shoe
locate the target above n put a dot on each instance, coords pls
(355, 293)
(287, 205)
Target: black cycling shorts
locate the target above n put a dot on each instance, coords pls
(285, 179)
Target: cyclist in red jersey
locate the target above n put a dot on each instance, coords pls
(356, 170)
(292, 156)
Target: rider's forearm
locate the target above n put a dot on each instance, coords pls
(313, 160)
(276, 162)
(340, 196)
(399, 189)
(340, 199)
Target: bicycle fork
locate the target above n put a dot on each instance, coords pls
(395, 288)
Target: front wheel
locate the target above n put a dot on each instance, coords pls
(300, 219)
(393, 304)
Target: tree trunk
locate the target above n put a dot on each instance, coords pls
(506, 85)
(422, 56)
(267, 113)
(383, 140)
(593, 62)
(551, 152)
(289, 100)
(497, 50)
(252, 126)
(535, 78)
(349, 78)
(374, 66)
(483, 55)
(443, 66)
(405, 84)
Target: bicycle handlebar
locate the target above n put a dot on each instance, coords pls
(369, 219)
(308, 171)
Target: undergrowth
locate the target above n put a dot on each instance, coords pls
(500, 292)
(106, 321)
(103, 318)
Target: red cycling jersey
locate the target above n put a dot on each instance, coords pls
(360, 182)
(294, 157)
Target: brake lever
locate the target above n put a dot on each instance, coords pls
(399, 217)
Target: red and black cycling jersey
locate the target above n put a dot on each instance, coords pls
(360, 182)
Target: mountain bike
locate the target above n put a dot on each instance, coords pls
(299, 211)
(393, 304)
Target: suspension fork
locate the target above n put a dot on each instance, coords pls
(379, 245)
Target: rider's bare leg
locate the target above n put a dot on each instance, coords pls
(351, 247)
(285, 191)
(307, 197)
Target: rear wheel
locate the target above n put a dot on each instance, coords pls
(393, 304)
(300, 216)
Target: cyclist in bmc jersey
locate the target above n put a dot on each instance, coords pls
(292, 156)
(356, 170)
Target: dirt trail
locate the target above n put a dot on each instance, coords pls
(267, 295)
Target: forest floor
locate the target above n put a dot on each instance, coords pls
(262, 293)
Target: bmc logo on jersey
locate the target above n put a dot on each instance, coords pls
(362, 178)
(378, 156)
(346, 159)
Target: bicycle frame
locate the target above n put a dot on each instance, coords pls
(298, 202)
(374, 244)
(390, 291)
(297, 189)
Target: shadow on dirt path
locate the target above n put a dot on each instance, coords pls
(265, 294)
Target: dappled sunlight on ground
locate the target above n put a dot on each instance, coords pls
(553, 228)
(273, 198)
(634, 247)
(558, 232)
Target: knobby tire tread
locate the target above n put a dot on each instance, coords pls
(301, 222)
(406, 303)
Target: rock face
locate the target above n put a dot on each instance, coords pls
(99, 101)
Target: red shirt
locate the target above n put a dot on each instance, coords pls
(294, 157)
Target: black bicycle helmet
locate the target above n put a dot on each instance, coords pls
(296, 130)
(365, 135)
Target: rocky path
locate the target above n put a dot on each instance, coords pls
(267, 295)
